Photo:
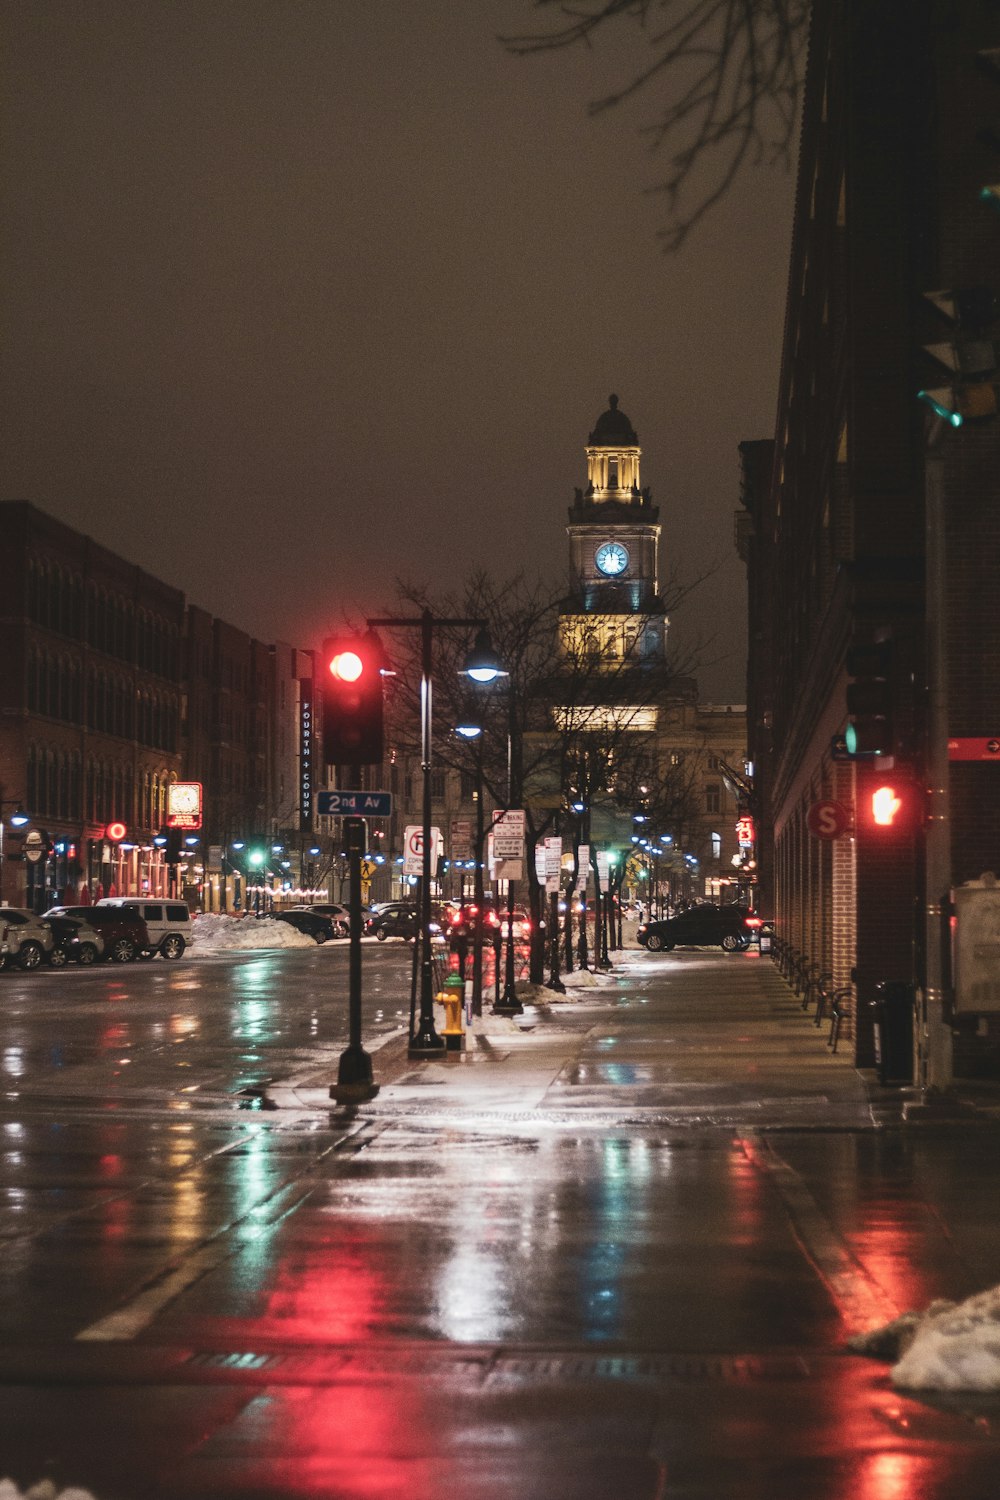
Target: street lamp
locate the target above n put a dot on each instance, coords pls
(17, 820)
(483, 666)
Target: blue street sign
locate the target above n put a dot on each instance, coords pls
(354, 804)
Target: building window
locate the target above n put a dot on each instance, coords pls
(713, 799)
(437, 785)
(716, 845)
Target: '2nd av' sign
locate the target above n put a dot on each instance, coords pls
(354, 804)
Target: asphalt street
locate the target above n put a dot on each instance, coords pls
(613, 1249)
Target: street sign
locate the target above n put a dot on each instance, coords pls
(354, 804)
(34, 846)
(461, 838)
(413, 849)
(987, 748)
(553, 864)
(508, 833)
(829, 820)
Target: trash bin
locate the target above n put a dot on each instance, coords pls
(765, 940)
(893, 1007)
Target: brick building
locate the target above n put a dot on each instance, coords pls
(840, 542)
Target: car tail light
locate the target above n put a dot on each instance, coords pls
(753, 921)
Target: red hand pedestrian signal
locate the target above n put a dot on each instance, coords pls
(885, 806)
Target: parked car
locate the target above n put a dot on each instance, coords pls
(25, 939)
(339, 915)
(313, 923)
(723, 926)
(168, 923)
(125, 934)
(76, 941)
(395, 919)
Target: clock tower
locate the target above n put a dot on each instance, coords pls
(614, 606)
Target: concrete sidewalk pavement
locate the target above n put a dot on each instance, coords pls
(688, 1038)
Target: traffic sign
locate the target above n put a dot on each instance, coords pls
(986, 748)
(413, 849)
(508, 833)
(829, 820)
(354, 804)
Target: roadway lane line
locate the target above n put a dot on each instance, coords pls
(129, 1320)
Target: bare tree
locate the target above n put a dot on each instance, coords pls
(729, 74)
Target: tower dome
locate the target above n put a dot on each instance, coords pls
(613, 428)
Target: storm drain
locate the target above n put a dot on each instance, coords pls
(290, 1367)
(722, 1369)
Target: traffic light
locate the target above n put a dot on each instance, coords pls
(969, 354)
(870, 729)
(351, 680)
(890, 807)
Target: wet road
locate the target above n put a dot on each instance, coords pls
(613, 1251)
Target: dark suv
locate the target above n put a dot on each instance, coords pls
(396, 919)
(125, 934)
(722, 926)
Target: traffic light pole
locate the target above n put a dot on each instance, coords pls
(354, 1075)
(934, 1042)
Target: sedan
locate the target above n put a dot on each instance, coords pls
(313, 923)
(725, 927)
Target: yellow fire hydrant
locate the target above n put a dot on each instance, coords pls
(452, 997)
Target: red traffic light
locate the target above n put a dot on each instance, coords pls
(346, 665)
(351, 686)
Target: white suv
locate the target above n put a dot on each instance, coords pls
(168, 922)
(24, 938)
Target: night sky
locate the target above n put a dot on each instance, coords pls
(302, 296)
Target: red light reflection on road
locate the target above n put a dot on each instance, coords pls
(364, 1431)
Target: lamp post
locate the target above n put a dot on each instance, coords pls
(483, 667)
(17, 820)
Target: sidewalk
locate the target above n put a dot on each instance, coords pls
(675, 1039)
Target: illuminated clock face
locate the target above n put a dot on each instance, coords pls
(184, 797)
(611, 559)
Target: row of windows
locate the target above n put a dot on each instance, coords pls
(112, 706)
(57, 600)
(58, 787)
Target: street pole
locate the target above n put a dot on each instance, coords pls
(934, 1040)
(354, 1074)
(478, 892)
(508, 1003)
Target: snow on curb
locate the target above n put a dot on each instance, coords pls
(949, 1347)
(44, 1490)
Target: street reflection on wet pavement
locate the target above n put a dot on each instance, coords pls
(614, 1249)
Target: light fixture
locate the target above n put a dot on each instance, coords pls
(482, 663)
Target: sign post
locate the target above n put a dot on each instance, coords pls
(354, 1075)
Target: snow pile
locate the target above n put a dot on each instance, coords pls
(219, 934)
(44, 1490)
(950, 1347)
(579, 979)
